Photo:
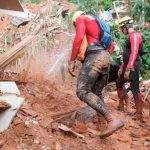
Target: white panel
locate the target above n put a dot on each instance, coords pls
(14, 13)
(7, 116)
(9, 87)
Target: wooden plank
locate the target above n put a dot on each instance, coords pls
(19, 49)
(67, 129)
(15, 52)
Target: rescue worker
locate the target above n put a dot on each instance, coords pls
(130, 68)
(97, 60)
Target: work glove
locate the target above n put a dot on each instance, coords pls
(120, 71)
(71, 68)
(127, 73)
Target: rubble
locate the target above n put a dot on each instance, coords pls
(9, 103)
(4, 106)
(52, 116)
(66, 129)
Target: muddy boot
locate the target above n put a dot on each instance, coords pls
(114, 124)
(121, 106)
(121, 96)
(139, 108)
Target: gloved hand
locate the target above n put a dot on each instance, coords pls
(71, 68)
(120, 70)
(127, 74)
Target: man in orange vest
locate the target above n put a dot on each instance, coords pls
(94, 71)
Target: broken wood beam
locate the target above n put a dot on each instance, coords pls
(67, 129)
(83, 115)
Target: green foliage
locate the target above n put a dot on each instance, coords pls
(145, 70)
(31, 1)
(147, 13)
(93, 6)
(119, 39)
(141, 11)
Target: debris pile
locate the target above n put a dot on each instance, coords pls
(36, 38)
(52, 117)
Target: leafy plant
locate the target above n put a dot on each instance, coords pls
(119, 39)
(31, 1)
(141, 11)
(145, 70)
(93, 6)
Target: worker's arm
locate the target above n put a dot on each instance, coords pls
(135, 42)
(80, 32)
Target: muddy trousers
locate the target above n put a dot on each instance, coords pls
(134, 86)
(89, 80)
(133, 79)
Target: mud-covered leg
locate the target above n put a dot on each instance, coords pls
(134, 83)
(99, 85)
(121, 93)
(87, 78)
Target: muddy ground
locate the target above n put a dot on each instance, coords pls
(36, 126)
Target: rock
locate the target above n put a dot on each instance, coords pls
(2, 142)
(54, 126)
(80, 128)
(17, 121)
(58, 146)
(124, 140)
(4, 106)
(45, 122)
(135, 135)
(31, 122)
(147, 144)
(136, 145)
(36, 141)
(92, 135)
(147, 139)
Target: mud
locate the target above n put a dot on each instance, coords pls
(47, 96)
(35, 128)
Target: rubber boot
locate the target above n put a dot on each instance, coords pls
(113, 124)
(139, 107)
(121, 96)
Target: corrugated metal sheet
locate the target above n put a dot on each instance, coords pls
(19, 21)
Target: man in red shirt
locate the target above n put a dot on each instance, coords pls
(94, 71)
(130, 68)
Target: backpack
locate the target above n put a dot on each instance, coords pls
(104, 35)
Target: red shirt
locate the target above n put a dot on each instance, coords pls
(133, 45)
(85, 24)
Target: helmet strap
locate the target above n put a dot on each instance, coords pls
(128, 26)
